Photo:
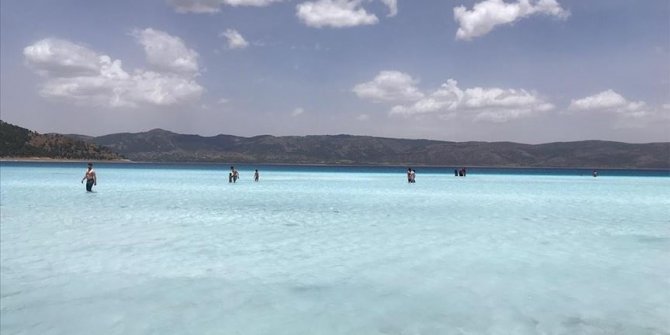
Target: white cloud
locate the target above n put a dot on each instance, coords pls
(163, 89)
(389, 86)
(486, 104)
(488, 14)
(622, 112)
(393, 7)
(606, 100)
(60, 57)
(167, 52)
(223, 101)
(334, 13)
(235, 39)
(629, 113)
(297, 112)
(482, 104)
(213, 6)
(196, 6)
(77, 74)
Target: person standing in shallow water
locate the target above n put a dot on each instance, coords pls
(90, 178)
(256, 175)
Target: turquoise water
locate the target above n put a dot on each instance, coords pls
(176, 249)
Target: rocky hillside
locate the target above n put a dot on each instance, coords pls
(164, 146)
(161, 145)
(17, 142)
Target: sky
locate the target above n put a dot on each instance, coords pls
(530, 71)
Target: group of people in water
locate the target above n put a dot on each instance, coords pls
(91, 178)
(234, 175)
(411, 174)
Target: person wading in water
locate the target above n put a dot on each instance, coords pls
(90, 178)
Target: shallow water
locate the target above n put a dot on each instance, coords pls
(177, 249)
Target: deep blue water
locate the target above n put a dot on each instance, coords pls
(449, 170)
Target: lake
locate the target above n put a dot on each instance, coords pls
(176, 249)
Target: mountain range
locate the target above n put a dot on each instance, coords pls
(164, 146)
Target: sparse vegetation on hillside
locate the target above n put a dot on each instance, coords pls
(19, 142)
(161, 145)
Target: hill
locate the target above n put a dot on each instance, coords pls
(162, 145)
(17, 142)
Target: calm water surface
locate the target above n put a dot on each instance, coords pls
(176, 249)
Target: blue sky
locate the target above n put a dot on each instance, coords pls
(530, 71)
